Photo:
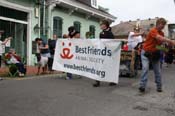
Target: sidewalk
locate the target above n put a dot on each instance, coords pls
(31, 71)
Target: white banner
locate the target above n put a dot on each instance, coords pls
(93, 58)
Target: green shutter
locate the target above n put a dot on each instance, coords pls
(57, 26)
(77, 26)
(92, 30)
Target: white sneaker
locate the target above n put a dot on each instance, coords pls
(1, 78)
(22, 74)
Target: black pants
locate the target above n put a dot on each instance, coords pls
(50, 63)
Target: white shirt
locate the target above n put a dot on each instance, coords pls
(133, 40)
(14, 60)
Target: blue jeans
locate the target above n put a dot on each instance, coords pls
(21, 68)
(145, 69)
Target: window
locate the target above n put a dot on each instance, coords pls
(92, 30)
(57, 26)
(77, 26)
(94, 3)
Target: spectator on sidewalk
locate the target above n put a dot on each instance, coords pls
(151, 53)
(43, 50)
(52, 46)
(89, 35)
(43, 47)
(65, 36)
(13, 58)
(2, 46)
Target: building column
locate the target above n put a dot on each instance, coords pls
(50, 20)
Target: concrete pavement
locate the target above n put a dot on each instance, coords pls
(55, 96)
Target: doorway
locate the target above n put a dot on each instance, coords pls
(18, 32)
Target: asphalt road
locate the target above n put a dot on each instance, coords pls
(54, 96)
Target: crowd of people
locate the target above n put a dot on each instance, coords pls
(46, 50)
(154, 50)
(146, 48)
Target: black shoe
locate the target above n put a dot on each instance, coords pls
(159, 89)
(96, 85)
(142, 90)
(112, 84)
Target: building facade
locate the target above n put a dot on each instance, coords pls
(25, 20)
(18, 19)
(122, 29)
(83, 14)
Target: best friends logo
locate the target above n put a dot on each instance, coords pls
(91, 50)
(66, 52)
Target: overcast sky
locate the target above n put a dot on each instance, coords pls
(126, 10)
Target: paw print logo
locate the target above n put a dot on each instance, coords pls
(66, 52)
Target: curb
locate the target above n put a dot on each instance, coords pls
(33, 77)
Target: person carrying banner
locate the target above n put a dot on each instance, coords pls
(105, 34)
(151, 53)
(73, 34)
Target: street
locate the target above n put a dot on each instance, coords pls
(55, 96)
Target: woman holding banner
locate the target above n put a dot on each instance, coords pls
(105, 34)
(72, 34)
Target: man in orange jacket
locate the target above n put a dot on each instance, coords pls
(151, 53)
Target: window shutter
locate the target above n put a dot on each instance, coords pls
(57, 26)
